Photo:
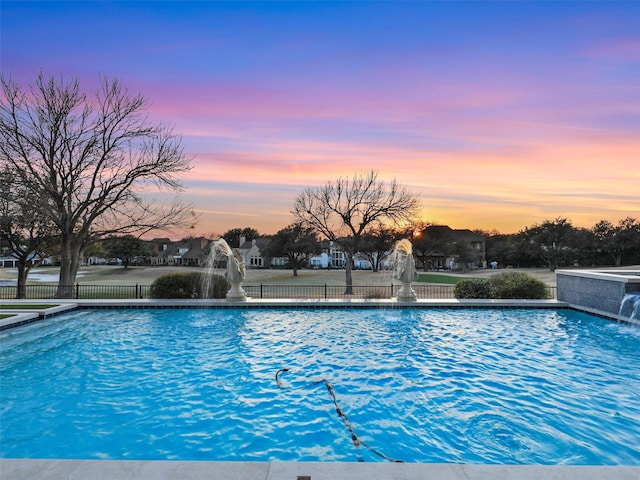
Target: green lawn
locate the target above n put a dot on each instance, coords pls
(439, 278)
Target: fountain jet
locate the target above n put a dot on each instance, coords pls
(404, 269)
(630, 308)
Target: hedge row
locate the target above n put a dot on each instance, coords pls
(502, 285)
(189, 285)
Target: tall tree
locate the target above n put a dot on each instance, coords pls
(25, 233)
(346, 209)
(501, 248)
(87, 159)
(618, 240)
(126, 248)
(552, 240)
(466, 256)
(296, 242)
(433, 243)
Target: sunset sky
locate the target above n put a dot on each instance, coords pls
(498, 114)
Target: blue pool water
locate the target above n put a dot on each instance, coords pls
(418, 385)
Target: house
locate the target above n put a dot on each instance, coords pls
(360, 262)
(159, 246)
(320, 261)
(196, 255)
(474, 241)
(332, 256)
(9, 260)
(250, 251)
(188, 253)
(441, 247)
(166, 252)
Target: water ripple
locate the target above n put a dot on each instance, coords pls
(479, 386)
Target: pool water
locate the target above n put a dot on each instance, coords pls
(417, 385)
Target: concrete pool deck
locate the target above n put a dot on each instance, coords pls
(40, 469)
(26, 469)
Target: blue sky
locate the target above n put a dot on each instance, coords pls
(498, 114)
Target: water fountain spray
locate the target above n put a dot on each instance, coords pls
(235, 271)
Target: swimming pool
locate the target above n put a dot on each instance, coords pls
(418, 385)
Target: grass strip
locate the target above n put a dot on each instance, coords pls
(27, 306)
(439, 278)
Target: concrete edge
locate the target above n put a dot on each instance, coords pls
(26, 315)
(596, 312)
(17, 319)
(40, 469)
(622, 276)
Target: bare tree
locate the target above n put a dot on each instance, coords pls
(87, 160)
(345, 210)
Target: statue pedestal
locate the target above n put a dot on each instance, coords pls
(236, 292)
(406, 293)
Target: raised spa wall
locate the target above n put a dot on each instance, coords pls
(597, 291)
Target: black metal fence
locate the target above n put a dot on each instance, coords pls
(77, 291)
(263, 291)
(339, 291)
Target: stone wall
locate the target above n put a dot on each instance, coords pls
(598, 290)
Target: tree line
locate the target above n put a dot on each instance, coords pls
(551, 243)
(557, 243)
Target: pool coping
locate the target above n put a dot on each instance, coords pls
(40, 469)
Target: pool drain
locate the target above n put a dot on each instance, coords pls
(357, 441)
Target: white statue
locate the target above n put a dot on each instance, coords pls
(404, 269)
(235, 268)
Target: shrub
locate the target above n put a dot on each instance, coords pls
(214, 285)
(503, 285)
(473, 288)
(189, 285)
(517, 285)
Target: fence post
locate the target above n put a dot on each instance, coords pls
(77, 291)
(325, 291)
(260, 291)
(137, 291)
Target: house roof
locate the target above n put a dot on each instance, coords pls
(194, 252)
(444, 231)
(172, 250)
(467, 235)
(260, 242)
(196, 249)
(160, 240)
